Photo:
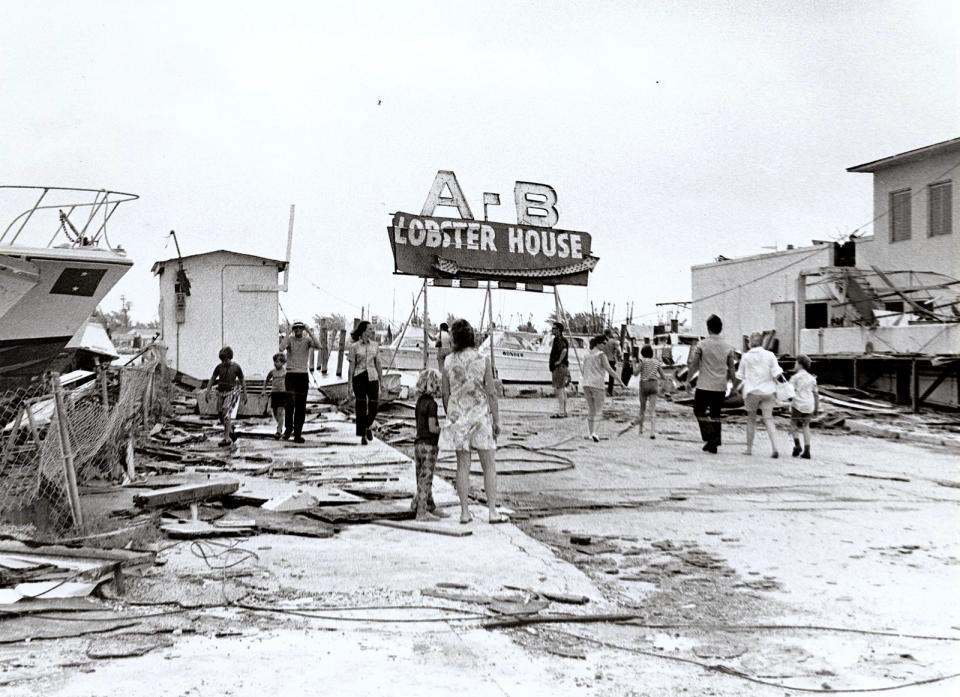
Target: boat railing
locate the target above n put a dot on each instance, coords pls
(70, 216)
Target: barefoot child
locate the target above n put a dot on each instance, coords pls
(806, 405)
(425, 446)
(277, 379)
(231, 391)
(650, 371)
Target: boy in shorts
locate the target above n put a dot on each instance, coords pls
(277, 379)
(231, 391)
(806, 405)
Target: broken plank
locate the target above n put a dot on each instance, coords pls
(282, 523)
(185, 493)
(50, 605)
(564, 598)
(432, 528)
(127, 557)
(366, 512)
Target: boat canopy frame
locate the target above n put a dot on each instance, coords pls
(98, 212)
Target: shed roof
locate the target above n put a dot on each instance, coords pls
(908, 156)
(158, 265)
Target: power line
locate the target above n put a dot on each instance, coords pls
(820, 248)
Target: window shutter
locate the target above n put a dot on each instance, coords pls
(900, 216)
(941, 209)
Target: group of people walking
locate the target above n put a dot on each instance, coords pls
(466, 386)
(598, 375)
(714, 364)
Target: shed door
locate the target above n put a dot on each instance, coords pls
(784, 323)
(249, 315)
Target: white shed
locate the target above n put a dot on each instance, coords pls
(230, 300)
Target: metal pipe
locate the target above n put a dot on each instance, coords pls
(286, 268)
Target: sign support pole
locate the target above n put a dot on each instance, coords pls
(576, 353)
(493, 362)
(403, 331)
(426, 320)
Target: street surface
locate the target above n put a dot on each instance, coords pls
(744, 575)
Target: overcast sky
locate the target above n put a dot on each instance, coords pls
(672, 131)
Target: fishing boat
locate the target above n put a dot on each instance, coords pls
(337, 391)
(56, 266)
(405, 352)
(525, 358)
(673, 348)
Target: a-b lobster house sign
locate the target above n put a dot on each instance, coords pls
(531, 252)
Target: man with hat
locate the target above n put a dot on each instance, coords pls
(297, 347)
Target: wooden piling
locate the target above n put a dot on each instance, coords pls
(66, 451)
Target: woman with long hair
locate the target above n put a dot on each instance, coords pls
(596, 370)
(473, 417)
(365, 378)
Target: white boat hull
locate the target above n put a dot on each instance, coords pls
(46, 295)
(406, 359)
(530, 367)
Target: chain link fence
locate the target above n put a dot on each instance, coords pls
(51, 444)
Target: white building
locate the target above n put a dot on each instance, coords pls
(232, 301)
(892, 295)
(916, 209)
(755, 293)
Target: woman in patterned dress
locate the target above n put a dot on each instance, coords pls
(473, 418)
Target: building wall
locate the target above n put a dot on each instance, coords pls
(752, 284)
(914, 338)
(233, 301)
(921, 252)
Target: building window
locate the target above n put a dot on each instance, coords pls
(815, 316)
(941, 209)
(900, 216)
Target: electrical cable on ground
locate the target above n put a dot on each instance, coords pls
(726, 670)
(632, 619)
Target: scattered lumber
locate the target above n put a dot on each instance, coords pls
(185, 494)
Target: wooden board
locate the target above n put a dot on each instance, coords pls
(282, 523)
(127, 557)
(366, 512)
(185, 493)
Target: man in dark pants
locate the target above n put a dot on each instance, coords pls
(713, 359)
(297, 347)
